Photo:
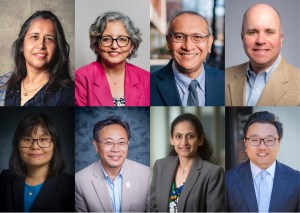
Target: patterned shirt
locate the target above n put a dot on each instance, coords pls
(174, 197)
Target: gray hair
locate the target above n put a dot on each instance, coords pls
(98, 27)
(190, 13)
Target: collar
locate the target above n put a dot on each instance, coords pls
(106, 175)
(255, 170)
(184, 81)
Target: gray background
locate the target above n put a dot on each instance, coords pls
(13, 13)
(234, 11)
(62, 117)
(138, 119)
(88, 10)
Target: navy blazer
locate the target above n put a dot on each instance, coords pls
(240, 193)
(164, 91)
(56, 195)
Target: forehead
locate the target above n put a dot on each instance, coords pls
(184, 126)
(40, 24)
(113, 130)
(189, 23)
(262, 129)
(115, 26)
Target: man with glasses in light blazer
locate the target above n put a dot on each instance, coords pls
(262, 184)
(114, 183)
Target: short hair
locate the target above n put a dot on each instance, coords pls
(189, 13)
(59, 69)
(110, 121)
(28, 125)
(244, 17)
(98, 27)
(205, 150)
(264, 117)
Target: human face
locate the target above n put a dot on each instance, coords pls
(114, 54)
(36, 156)
(262, 156)
(185, 140)
(39, 45)
(112, 157)
(189, 56)
(262, 37)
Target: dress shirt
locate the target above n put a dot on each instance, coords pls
(115, 189)
(183, 82)
(256, 83)
(255, 170)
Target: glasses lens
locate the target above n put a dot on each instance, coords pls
(269, 141)
(122, 41)
(197, 38)
(254, 141)
(44, 142)
(106, 40)
(178, 37)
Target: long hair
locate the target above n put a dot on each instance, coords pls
(59, 68)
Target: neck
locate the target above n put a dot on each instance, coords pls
(114, 70)
(112, 172)
(36, 175)
(185, 163)
(36, 77)
(193, 74)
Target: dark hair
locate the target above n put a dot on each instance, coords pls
(110, 121)
(264, 117)
(205, 150)
(26, 127)
(59, 69)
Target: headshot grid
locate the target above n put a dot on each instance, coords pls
(137, 106)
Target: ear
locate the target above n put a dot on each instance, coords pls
(201, 140)
(168, 43)
(210, 41)
(95, 143)
(171, 140)
(242, 37)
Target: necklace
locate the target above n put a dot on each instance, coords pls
(26, 92)
(185, 170)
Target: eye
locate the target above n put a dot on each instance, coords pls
(106, 38)
(255, 139)
(251, 33)
(49, 39)
(177, 137)
(108, 143)
(122, 38)
(179, 36)
(26, 139)
(122, 143)
(191, 136)
(34, 37)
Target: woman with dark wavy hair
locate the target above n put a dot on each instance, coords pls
(35, 180)
(42, 73)
(186, 181)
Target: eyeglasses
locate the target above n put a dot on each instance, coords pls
(107, 41)
(267, 141)
(110, 144)
(181, 38)
(27, 142)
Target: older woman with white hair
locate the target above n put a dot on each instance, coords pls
(111, 81)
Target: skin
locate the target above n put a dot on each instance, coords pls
(262, 156)
(189, 56)
(39, 45)
(112, 158)
(262, 36)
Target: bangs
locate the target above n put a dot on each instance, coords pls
(32, 128)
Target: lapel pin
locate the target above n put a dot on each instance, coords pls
(127, 185)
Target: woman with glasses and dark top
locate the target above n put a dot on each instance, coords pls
(35, 180)
(186, 181)
(111, 81)
(42, 72)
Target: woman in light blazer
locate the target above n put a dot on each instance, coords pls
(186, 181)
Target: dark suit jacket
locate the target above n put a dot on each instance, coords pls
(164, 91)
(203, 190)
(56, 195)
(240, 193)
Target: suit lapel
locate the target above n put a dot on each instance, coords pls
(237, 87)
(167, 86)
(127, 188)
(132, 92)
(244, 181)
(100, 187)
(101, 88)
(18, 190)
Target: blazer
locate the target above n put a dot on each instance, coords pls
(164, 91)
(56, 194)
(92, 88)
(92, 195)
(240, 193)
(282, 88)
(203, 190)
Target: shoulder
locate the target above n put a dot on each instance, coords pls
(138, 70)
(160, 163)
(286, 169)
(87, 69)
(4, 78)
(66, 177)
(214, 70)
(237, 68)
(135, 165)
(85, 172)
(289, 69)
(5, 174)
(163, 71)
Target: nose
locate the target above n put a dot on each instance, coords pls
(261, 39)
(262, 144)
(115, 147)
(34, 145)
(188, 44)
(41, 43)
(114, 44)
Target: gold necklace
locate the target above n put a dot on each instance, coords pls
(26, 92)
(184, 170)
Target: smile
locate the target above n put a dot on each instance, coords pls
(113, 53)
(35, 155)
(40, 55)
(262, 154)
(188, 55)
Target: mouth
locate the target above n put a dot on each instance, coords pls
(184, 148)
(261, 50)
(188, 55)
(35, 155)
(262, 154)
(115, 158)
(113, 53)
(40, 55)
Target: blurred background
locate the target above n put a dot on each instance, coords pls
(289, 148)
(213, 121)
(161, 11)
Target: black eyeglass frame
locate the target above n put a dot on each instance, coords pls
(114, 39)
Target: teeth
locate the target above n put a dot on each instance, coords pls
(262, 154)
(114, 53)
(188, 55)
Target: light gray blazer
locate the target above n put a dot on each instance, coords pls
(92, 195)
(203, 190)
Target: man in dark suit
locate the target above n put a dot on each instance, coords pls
(186, 80)
(262, 184)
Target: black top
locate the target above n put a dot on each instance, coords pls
(56, 195)
(63, 96)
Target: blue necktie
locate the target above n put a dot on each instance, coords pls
(193, 95)
(264, 195)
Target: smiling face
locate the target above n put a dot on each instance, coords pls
(114, 54)
(262, 36)
(262, 156)
(112, 157)
(185, 140)
(35, 156)
(189, 56)
(39, 44)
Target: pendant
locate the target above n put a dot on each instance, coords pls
(25, 94)
(30, 193)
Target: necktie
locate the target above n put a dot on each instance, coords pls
(264, 195)
(193, 96)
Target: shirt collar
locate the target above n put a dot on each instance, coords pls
(255, 170)
(106, 175)
(184, 81)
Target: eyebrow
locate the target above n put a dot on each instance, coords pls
(39, 34)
